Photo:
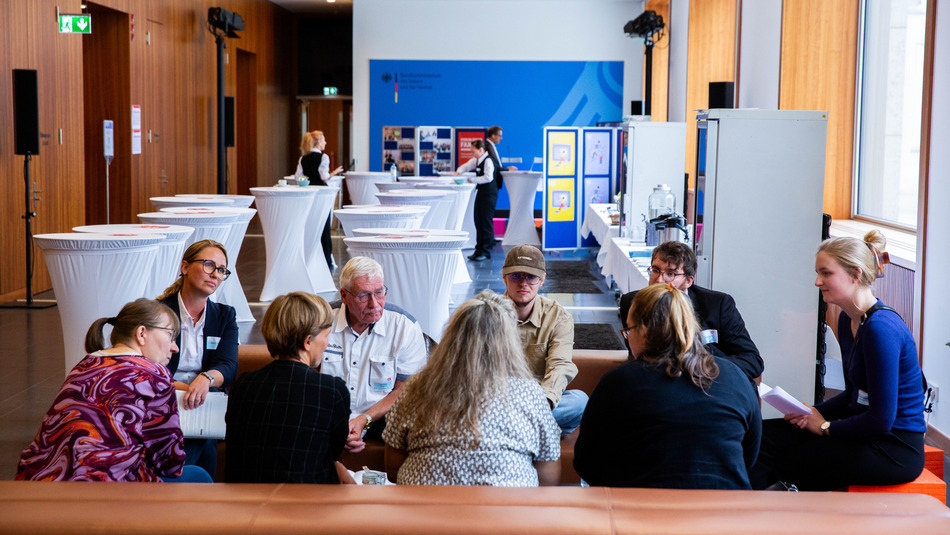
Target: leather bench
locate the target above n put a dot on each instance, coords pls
(591, 366)
(188, 508)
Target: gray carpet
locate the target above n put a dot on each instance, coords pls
(596, 336)
(570, 277)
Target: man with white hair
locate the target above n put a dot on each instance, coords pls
(373, 348)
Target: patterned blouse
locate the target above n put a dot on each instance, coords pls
(517, 429)
(115, 419)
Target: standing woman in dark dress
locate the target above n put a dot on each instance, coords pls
(674, 416)
(316, 167)
(208, 342)
(872, 433)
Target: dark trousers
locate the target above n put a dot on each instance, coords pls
(327, 244)
(813, 462)
(202, 452)
(485, 197)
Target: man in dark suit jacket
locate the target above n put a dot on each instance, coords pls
(724, 332)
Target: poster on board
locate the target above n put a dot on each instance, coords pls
(399, 149)
(434, 155)
(561, 153)
(562, 189)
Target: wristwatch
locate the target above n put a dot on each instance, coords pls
(209, 376)
(825, 428)
(369, 420)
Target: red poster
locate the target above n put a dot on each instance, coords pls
(464, 142)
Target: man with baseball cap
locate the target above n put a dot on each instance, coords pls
(547, 333)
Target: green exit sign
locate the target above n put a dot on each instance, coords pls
(329, 90)
(75, 24)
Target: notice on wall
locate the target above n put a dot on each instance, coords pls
(108, 141)
(136, 129)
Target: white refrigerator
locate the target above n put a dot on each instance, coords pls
(655, 153)
(759, 191)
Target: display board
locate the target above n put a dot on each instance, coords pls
(561, 224)
(399, 149)
(597, 170)
(463, 142)
(435, 154)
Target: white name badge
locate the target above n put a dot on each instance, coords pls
(211, 342)
(709, 336)
(863, 398)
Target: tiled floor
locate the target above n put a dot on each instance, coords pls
(31, 353)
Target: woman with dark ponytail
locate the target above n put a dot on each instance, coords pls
(872, 433)
(674, 416)
(116, 417)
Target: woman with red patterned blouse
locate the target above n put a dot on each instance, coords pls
(116, 416)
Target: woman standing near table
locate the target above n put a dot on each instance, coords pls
(475, 415)
(486, 195)
(674, 416)
(872, 433)
(315, 165)
(208, 343)
(116, 418)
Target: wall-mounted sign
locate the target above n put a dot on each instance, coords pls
(108, 140)
(75, 24)
(329, 90)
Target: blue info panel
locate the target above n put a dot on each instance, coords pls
(522, 97)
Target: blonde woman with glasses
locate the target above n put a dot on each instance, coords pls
(674, 416)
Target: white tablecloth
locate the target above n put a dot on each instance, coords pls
(93, 276)
(418, 271)
(629, 273)
(230, 292)
(168, 259)
(208, 226)
(283, 212)
(313, 231)
(425, 180)
(362, 185)
(352, 217)
(461, 269)
(521, 186)
(439, 203)
(597, 223)
(238, 201)
(202, 200)
(384, 187)
(460, 206)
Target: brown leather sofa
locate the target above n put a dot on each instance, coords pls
(591, 366)
(167, 509)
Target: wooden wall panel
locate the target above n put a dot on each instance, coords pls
(661, 62)
(818, 65)
(324, 114)
(711, 58)
(173, 79)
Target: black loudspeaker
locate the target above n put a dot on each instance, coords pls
(228, 121)
(636, 107)
(722, 95)
(26, 113)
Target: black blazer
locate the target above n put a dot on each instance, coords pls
(221, 322)
(310, 164)
(493, 154)
(717, 310)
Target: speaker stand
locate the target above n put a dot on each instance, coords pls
(30, 214)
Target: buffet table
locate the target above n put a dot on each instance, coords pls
(521, 186)
(628, 273)
(418, 271)
(597, 223)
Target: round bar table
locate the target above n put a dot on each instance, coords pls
(238, 201)
(425, 180)
(461, 269)
(439, 203)
(385, 187)
(230, 292)
(165, 269)
(521, 186)
(352, 217)
(362, 185)
(208, 226)
(418, 272)
(204, 200)
(93, 276)
(283, 212)
(319, 217)
(457, 212)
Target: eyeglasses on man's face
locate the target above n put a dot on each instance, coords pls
(172, 333)
(665, 276)
(210, 267)
(378, 295)
(518, 278)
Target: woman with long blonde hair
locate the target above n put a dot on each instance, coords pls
(674, 416)
(475, 415)
(872, 433)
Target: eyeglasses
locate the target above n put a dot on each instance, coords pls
(518, 278)
(210, 267)
(625, 332)
(667, 276)
(378, 295)
(172, 333)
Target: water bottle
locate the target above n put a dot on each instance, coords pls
(661, 201)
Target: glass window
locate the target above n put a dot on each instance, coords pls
(889, 109)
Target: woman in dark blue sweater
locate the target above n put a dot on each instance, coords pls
(872, 433)
(674, 416)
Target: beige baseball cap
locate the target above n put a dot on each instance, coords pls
(524, 259)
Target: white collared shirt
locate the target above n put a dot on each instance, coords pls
(489, 169)
(191, 349)
(370, 363)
